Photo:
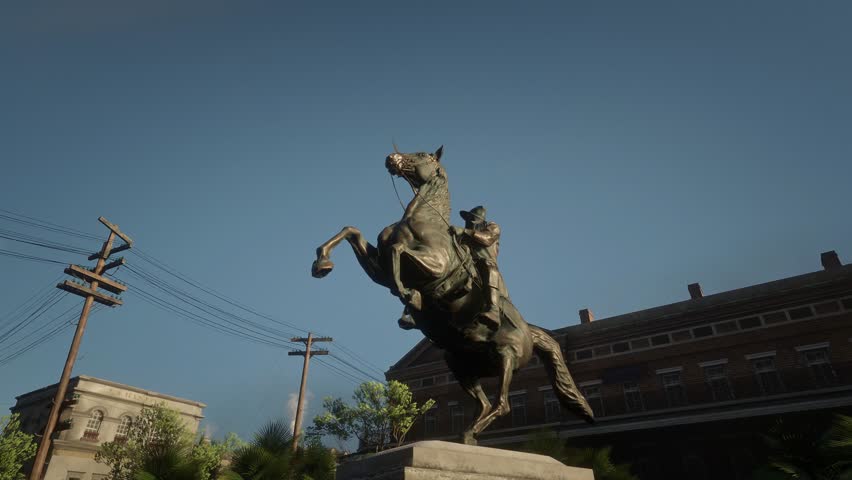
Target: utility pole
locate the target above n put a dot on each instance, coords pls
(307, 353)
(95, 280)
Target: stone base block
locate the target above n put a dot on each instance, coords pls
(433, 460)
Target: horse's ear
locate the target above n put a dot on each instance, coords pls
(439, 152)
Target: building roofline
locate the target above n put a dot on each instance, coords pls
(76, 380)
(708, 302)
(417, 349)
(678, 309)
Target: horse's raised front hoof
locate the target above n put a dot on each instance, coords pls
(468, 438)
(321, 267)
(406, 322)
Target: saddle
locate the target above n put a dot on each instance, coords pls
(460, 280)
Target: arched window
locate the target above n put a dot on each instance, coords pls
(93, 425)
(123, 427)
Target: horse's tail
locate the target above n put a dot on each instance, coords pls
(550, 353)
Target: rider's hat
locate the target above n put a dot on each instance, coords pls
(477, 214)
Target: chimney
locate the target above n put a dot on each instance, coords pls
(695, 290)
(830, 260)
(586, 316)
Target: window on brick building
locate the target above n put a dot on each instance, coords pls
(430, 422)
(767, 375)
(456, 418)
(552, 409)
(817, 359)
(633, 397)
(716, 377)
(593, 396)
(675, 394)
(518, 404)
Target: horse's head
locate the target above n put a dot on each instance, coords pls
(416, 168)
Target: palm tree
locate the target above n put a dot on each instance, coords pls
(167, 462)
(804, 449)
(179, 461)
(270, 456)
(598, 459)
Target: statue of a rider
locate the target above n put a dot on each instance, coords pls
(483, 240)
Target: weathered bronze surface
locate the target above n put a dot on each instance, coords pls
(447, 278)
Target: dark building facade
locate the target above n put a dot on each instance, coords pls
(682, 390)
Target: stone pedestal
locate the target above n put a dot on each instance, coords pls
(433, 460)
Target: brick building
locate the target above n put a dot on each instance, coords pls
(681, 390)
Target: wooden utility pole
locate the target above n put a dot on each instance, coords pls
(307, 353)
(95, 280)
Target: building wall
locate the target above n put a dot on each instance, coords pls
(722, 333)
(73, 452)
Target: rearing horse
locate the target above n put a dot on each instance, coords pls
(420, 261)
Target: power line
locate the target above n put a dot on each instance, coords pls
(350, 365)
(340, 372)
(355, 356)
(41, 242)
(39, 295)
(166, 268)
(223, 329)
(182, 295)
(24, 256)
(34, 222)
(245, 333)
(44, 338)
(170, 289)
(46, 305)
(204, 307)
(56, 331)
(49, 322)
(63, 315)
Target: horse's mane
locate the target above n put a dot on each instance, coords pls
(433, 198)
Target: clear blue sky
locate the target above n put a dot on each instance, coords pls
(626, 148)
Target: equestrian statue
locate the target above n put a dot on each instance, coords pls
(452, 291)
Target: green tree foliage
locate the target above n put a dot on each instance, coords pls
(598, 459)
(270, 456)
(381, 416)
(805, 449)
(16, 448)
(158, 446)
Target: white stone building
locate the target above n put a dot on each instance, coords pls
(102, 412)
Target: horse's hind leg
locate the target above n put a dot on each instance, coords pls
(472, 387)
(502, 406)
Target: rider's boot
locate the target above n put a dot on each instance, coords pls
(490, 317)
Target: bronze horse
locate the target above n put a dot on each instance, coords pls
(422, 262)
